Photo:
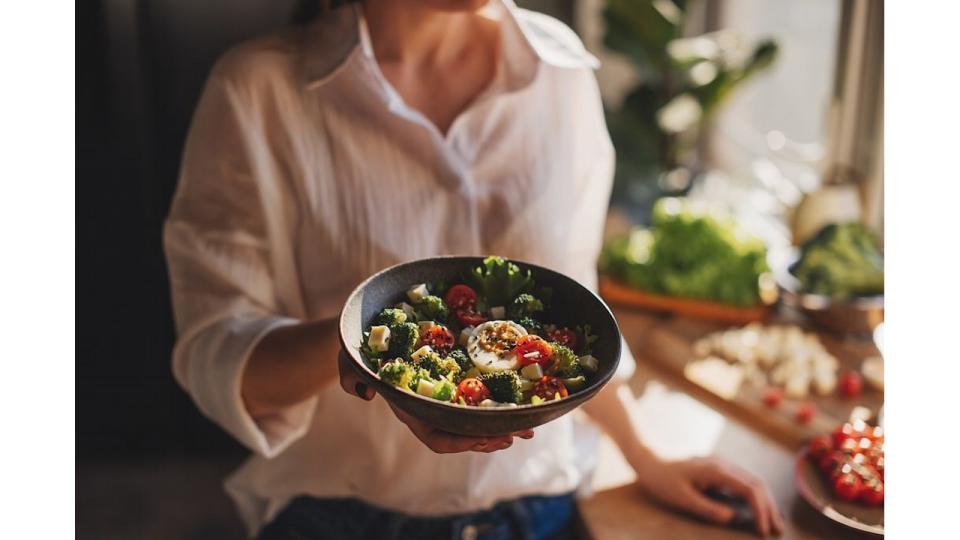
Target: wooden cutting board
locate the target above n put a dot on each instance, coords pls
(616, 293)
(667, 347)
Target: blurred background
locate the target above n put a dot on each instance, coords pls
(742, 129)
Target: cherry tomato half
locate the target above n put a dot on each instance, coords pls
(532, 350)
(772, 396)
(565, 337)
(820, 447)
(831, 463)
(847, 487)
(872, 494)
(850, 384)
(460, 296)
(548, 387)
(850, 446)
(472, 390)
(805, 412)
(468, 316)
(439, 338)
(846, 431)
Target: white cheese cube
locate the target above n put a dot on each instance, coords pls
(420, 353)
(408, 310)
(379, 339)
(425, 387)
(716, 375)
(488, 403)
(872, 370)
(798, 386)
(465, 335)
(589, 363)
(860, 413)
(498, 312)
(417, 293)
(824, 381)
(532, 372)
(426, 325)
(701, 347)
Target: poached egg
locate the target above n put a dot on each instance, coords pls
(490, 345)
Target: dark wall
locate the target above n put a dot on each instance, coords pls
(141, 66)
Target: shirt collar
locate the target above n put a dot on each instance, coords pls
(529, 38)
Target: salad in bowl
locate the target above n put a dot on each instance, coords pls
(479, 346)
(485, 342)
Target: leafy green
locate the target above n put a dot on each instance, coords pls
(499, 281)
(841, 261)
(691, 254)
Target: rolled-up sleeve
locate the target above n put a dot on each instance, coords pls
(223, 262)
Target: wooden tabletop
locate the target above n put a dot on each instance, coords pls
(624, 512)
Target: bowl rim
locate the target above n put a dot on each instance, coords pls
(368, 374)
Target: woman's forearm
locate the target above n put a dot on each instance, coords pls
(610, 408)
(290, 365)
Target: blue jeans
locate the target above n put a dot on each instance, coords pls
(529, 518)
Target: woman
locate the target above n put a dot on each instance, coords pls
(386, 131)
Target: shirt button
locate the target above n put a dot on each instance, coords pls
(469, 533)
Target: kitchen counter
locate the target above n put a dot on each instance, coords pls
(677, 425)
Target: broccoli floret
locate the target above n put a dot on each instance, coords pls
(565, 362)
(462, 360)
(403, 340)
(391, 317)
(532, 325)
(444, 390)
(439, 368)
(504, 386)
(432, 308)
(397, 373)
(525, 305)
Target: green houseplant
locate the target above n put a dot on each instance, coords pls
(683, 80)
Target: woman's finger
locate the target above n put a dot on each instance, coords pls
(350, 381)
(443, 442)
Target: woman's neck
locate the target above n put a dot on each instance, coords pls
(411, 34)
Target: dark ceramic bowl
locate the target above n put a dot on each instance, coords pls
(572, 304)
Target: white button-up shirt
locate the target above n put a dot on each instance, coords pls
(305, 172)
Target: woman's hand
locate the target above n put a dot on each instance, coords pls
(437, 440)
(680, 484)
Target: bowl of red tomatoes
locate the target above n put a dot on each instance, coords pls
(842, 475)
(479, 346)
